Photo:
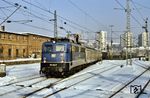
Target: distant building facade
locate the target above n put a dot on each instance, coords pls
(102, 40)
(126, 40)
(143, 38)
(14, 45)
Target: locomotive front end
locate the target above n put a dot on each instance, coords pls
(55, 58)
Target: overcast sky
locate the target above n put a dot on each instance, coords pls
(81, 16)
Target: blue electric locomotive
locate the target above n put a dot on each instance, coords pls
(61, 57)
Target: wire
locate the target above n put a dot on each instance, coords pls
(24, 23)
(3, 12)
(136, 20)
(137, 10)
(92, 18)
(131, 14)
(31, 14)
(142, 5)
(10, 15)
(58, 16)
(37, 27)
(120, 4)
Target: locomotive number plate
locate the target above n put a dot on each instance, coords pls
(53, 64)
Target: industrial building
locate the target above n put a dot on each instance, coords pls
(15, 45)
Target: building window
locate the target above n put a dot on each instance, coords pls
(1, 52)
(24, 51)
(24, 38)
(9, 52)
(2, 36)
(9, 36)
(17, 37)
(34, 37)
(17, 52)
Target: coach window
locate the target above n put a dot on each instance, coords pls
(76, 49)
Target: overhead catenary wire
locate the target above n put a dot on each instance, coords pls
(80, 26)
(120, 4)
(136, 20)
(87, 14)
(137, 10)
(10, 15)
(3, 12)
(37, 27)
(34, 16)
(31, 14)
(141, 5)
(29, 25)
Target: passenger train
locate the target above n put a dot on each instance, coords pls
(63, 57)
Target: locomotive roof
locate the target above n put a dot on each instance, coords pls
(69, 41)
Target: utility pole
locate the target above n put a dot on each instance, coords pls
(147, 39)
(55, 24)
(128, 32)
(111, 51)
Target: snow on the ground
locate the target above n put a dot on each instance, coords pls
(20, 59)
(92, 82)
(17, 72)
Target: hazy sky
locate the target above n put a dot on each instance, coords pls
(82, 16)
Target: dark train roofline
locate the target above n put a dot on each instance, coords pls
(69, 40)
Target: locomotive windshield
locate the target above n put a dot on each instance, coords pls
(60, 48)
(54, 48)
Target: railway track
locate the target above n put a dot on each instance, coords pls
(128, 83)
(21, 87)
(68, 86)
(52, 84)
(18, 80)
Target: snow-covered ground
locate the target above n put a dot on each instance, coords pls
(100, 80)
(20, 59)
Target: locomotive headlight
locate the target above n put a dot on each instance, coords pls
(44, 60)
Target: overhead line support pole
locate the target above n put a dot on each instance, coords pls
(55, 25)
(128, 32)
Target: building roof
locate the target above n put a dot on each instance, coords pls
(24, 33)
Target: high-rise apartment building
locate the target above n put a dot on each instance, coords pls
(102, 40)
(143, 39)
(126, 40)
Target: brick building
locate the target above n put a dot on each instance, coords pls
(15, 45)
